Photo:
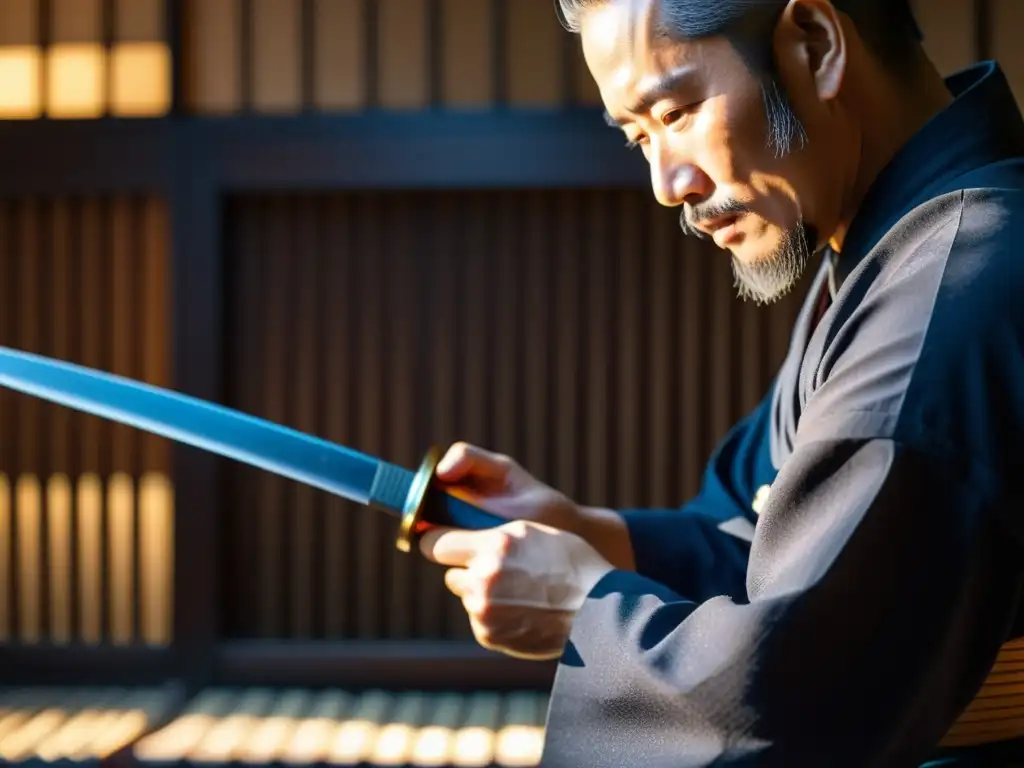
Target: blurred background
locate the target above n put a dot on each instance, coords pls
(390, 223)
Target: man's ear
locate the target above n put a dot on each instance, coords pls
(810, 37)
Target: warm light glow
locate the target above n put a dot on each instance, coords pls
(51, 724)
(141, 84)
(20, 91)
(341, 728)
(76, 75)
(22, 499)
(519, 745)
(156, 557)
(180, 736)
(5, 558)
(90, 508)
(18, 745)
(28, 498)
(58, 517)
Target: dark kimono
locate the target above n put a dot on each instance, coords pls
(840, 590)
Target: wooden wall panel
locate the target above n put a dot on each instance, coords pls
(1007, 26)
(404, 54)
(390, 54)
(339, 69)
(950, 32)
(213, 37)
(577, 331)
(275, 55)
(467, 41)
(86, 536)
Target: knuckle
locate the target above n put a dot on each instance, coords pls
(458, 449)
(518, 529)
(505, 542)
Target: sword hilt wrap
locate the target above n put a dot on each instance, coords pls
(427, 506)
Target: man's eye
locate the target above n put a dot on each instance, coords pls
(675, 114)
(633, 143)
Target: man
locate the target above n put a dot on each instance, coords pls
(881, 470)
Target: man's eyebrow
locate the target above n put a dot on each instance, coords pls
(666, 85)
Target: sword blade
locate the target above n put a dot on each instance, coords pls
(211, 427)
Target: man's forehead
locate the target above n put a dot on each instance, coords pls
(618, 29)
(632, 62)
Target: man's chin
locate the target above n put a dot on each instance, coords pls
(765, 278)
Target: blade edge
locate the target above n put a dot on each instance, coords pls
(209, 426)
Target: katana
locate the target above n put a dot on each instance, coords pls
(413, 496)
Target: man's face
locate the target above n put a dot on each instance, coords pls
(698, 113)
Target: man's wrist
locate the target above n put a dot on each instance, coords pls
(606, 531)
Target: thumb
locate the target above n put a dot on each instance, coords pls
(450, 546)
(474, 466)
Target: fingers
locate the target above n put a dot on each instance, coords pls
(464, 462)
(450, 546)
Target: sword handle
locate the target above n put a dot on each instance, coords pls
(428, 506)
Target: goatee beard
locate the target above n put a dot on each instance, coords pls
(770, 279)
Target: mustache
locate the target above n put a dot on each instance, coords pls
(692, 215)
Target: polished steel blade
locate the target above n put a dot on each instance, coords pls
(211, 427)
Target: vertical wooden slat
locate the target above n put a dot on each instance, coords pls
(21, 87)
(1007, 23)
(437, 616)
(90, 492)
(599, 319)
(627, 403)
(18, 22)
(400, 410)
(140, 20)
(534, 54)
(6, 561)
(59, 499)
(721, 328)
(214, 75)
(534, 453)
(75, 21)
(508, 273)
(403, 69)
(275, 48)
(8, 426)
(340, 54)
(156, 500)
(565, 358)
(662, 466)
(468, 58)
(949, 32)
(277, 337)
(140, 63)
(120, 484)
(76, 69)
(28, 493)
(247, 326)
(304, 391)
(369, 289)
(338, 297)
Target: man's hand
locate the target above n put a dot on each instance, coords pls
(498, 484)
(521, 583)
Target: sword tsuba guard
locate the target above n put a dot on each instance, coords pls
(414, 502)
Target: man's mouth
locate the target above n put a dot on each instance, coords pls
(724, 229)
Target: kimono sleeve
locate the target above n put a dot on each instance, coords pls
(880, 590)
(701, 549)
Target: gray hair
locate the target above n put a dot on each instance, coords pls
(886, 25)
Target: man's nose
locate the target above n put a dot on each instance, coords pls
(676, 181)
